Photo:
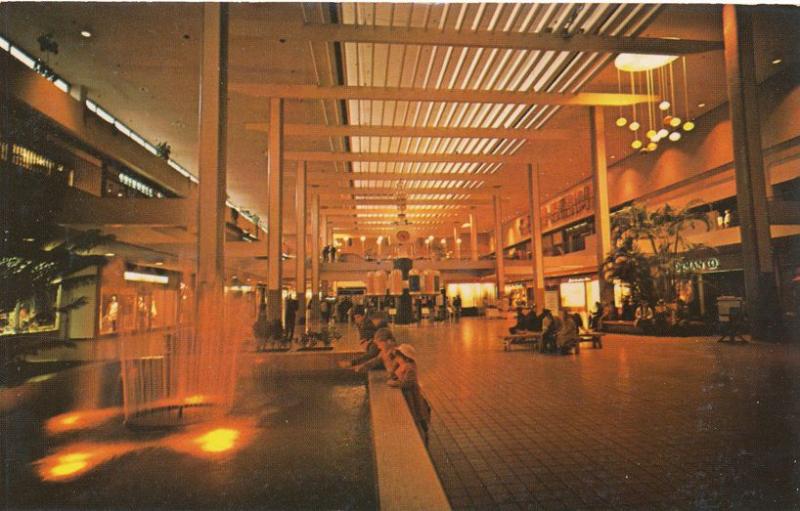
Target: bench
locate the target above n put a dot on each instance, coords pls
(596, 338)
(521, 339)
(620, 326)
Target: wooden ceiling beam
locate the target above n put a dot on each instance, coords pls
(318, 156)
(298, 91)
(410, 210)
(337, 177)
(394, 191)
(319, 32)
(320, 130)
(329, 203)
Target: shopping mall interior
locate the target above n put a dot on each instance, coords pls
(399, 256)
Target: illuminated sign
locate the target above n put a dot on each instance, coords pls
(136, 276)
(697, 265)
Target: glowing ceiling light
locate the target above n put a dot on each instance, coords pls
(688, 126)
(635, 62)
(675, 136)
(652, 146)
(621, 121)
(634, 126)
(651, 134)
(86, 33)
(664, 105)
(663, 132)
(776, 61)
(636, 144)
(675, 122)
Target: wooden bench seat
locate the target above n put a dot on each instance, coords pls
(527, 338)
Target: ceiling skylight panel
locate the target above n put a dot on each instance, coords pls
(552, 70)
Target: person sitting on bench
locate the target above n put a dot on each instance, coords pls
(567, 335)
(523, 321)
(550, 328)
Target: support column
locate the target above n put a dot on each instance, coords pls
(500, 264)
(274, 220)
(751, 188)
(212, 173)
(456, 242)
(473, 237)
(300, 238)
(315, 257)
(323, 230)
(602, 215)
(535, 209)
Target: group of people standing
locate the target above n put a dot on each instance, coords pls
(381, 351)
(329, 253)
(560, 333)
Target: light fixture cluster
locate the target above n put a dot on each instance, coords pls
(663, 121)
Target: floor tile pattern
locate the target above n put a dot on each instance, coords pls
(645, 423)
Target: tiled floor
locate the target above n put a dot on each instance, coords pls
(645, 423)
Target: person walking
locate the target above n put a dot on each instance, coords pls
(291, 317)
(457, 306)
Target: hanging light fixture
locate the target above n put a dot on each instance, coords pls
(634, 125)
(652, 146)
(675, 136)
(663, 132)
(636, 144)
(689, 124)
(675, 121)
(664, 105)
(621, 120)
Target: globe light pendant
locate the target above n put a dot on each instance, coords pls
(667, 120)
(634, 126)
(636, 144)
(675, 122)
(664, 105)
(663, 132)
(688, 126)
(651, 134)
(621, 121)
(652, 146)
(675, 136)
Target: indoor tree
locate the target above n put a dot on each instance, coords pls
(649, 246)
(37, 254)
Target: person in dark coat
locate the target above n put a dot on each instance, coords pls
(291, 317)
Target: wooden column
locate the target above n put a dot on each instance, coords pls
(275, 208)
(751, 188)
(473, 237)
(602, 215)
(498, 245)
(212, 192)
(456, 242)
(315, 256)
(534, 207)
(323, 228)
(301, 207)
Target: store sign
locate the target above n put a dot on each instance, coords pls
(571, 204)
(697, 265)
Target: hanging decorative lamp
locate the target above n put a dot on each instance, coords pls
(689, 124)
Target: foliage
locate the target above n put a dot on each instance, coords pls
(35, 252)
(648, 246)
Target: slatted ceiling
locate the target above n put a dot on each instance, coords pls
(399, 65)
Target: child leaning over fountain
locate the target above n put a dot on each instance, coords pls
(406, 379)
(386, 344)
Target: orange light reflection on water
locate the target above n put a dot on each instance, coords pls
(80, 419)
(77, 459)
(211, 440)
